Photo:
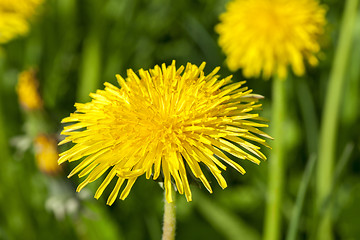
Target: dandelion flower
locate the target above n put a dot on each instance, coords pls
(14, 17)
(12, 25)
(269, 35)
(27, 90)
(46, 154)
(164, 122)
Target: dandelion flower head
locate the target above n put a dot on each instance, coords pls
(46, 154)
(14, 17)
(164, 123)
(269, 35)
(27, 90)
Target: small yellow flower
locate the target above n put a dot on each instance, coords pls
(46, 154)
(14, 17)
(27, 90)
(163, 122)
(268, 35)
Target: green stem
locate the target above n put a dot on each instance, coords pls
(169, 224)
(327, 144)
(276, 163)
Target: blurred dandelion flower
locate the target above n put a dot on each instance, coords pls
(14, 17)
(27, 90)
(269, 35)
(161, 123)
(46, 154)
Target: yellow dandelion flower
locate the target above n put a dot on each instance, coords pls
(12, 25)
(27, 90)
(269, 35)
(14, 17)
(26, 8)
(46, 154)
(160, 123)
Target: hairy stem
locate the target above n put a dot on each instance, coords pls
(169, 224)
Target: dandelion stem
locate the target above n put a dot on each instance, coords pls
(329, 123)
(276, 163)
(169, 224)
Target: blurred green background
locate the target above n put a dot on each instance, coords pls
(78, 45)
